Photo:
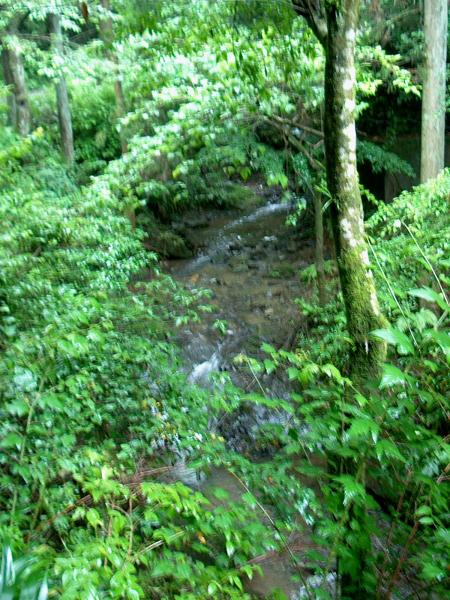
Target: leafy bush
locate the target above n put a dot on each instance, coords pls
(94, 407)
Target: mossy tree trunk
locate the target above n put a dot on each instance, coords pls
(335, 25)
(20, 115)
(434, 84)
(318, 226)
(8, 79)
(357, 282)
(62, 95)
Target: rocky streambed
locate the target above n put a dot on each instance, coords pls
(250, 260)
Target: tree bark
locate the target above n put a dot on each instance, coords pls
(20, 115)
(62, 96)
(318, 225)
(7, 76)
(107, 37)
(357, 282)
(434, 84)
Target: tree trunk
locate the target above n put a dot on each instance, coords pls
(7, 76)
(62, 96)
(107, 37)
(318, 225)
(357, 282)
(20, 110)
(434, 84)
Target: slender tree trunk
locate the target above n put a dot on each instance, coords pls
(20, 110)
(7, 76)
(62, 96)
(434, 84)
(107, 37)
(318, 224)
(357, 282)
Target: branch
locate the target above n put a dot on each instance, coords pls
(313, 12)
(294, 123)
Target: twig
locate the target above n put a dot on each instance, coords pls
(401, 560)
(426, 260)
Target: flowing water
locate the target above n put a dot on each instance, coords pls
(250, 261)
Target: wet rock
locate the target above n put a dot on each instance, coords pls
(197, 348)
(253, 264)
(196, 221)
(259, 252)
(291, 247)
(235, 245)
(200, 374)
(178, 226)
(241, 268)
(283, 270)
(257, 305)
(238, 263)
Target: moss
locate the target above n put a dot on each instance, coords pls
(283, 270)
(239, 196)
(362, 316)
(357, 283)
(162, 240)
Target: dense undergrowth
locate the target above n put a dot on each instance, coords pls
(95, 410)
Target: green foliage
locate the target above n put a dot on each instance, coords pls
(97, 420)
(93, 408)
(22, 578)
(383, 441)
(371, 461)
(410, 242)
(383, 161)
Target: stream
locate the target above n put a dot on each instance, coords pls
(250, 261)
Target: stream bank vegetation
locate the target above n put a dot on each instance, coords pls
(116, 118)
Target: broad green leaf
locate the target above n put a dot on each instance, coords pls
(352, 489)
(442, 338)
(392, 376)
(363, 427)
(389, 449)
(396, 337)
(426, 521)
(293, 373)
(423, 511)
(431, 571)
(50, 400)
(430, 295)
(269, 365)
(24, 379)
(11, 440)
